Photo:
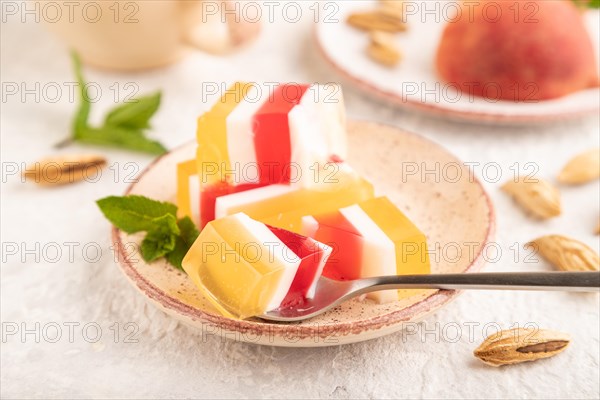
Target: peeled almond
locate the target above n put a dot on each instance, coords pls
(583, 168)
(383, 48)
(537, 196)
(566, 254)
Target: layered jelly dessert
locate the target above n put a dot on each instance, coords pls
(284, 206)
(246, 268)
(372, 238)
(255, 137)
(278, 206)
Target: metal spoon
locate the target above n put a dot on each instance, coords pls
(330, 293)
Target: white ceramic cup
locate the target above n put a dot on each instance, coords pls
(133, 35)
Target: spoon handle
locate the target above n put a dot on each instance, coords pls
(558, 281)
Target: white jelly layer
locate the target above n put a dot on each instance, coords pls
(279, 254)
(240, 137)
(234, 201)
(379, 251)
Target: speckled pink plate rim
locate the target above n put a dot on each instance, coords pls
(412, 312)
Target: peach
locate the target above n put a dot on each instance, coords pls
(521, 50)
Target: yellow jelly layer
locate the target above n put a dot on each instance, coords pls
(212, 154)
(235, 271)
(410, 243)
(185, 170)
(286, 211)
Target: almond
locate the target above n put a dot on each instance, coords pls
(398, 4)
(383, 48)
(566, 254)
(537, 196)
(377, 21)
(582, 168)
(520, 345)
(65, 169)
(393, 8)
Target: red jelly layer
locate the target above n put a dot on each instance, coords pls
(310, 255)
(210, 193)
(272, 133)
(346, 242)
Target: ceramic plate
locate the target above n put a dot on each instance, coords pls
(452, 209)
(414, 84)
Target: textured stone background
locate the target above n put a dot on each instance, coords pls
(170, 360)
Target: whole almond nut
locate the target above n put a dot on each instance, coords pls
(383, 48)
(393, 8)
(566, 254)
(583, 168)
(520, 345)
(382, 38)
(537, 196)
(62, 170)
(376, 21)
(397, 4)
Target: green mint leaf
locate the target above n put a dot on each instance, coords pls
(189, 231)
(161, 239)
(594, 4)
(83, 112)
(134, 115)
(134, 213)
(189, 234)
(167, 237)
(123, 126)
(175, 257)
(124, 138)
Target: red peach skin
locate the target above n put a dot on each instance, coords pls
(532, 50)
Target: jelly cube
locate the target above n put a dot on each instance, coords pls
(372, 238)
(343, 238)
(283, 206)
(240, 138)
(410, 243)
(210, 194)
(272, 133)
(246, 268)
(185, 171)
(313, 256)
(250, 139)
(290, 129)
(235, 269)
(317, 131)
(212, 153)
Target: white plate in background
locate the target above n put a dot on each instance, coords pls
(414, 82)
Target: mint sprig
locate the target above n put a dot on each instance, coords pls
(166, 235)
(188, 235)
(161, 238)
(135, 115)
(123, 126)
